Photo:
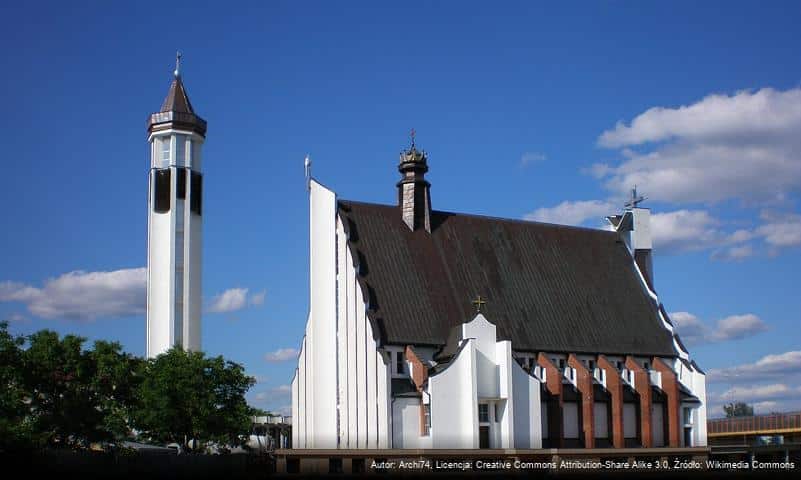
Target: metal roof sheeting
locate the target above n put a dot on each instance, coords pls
(548, 287)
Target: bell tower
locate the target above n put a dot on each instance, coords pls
(175, 223)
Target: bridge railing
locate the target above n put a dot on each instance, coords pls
(757, 423)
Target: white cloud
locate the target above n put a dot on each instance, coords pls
(769, 366)
(744, 146)
(684, 230)
(258, 298)
(279, 395)
(81, 295)
(16, 318)
(766, 398)
(689, 327)
(281, 355)
(230, 300)
(736, 327)
(750, 394)
(738, 252)
(530, 158)
(693, 331)
(780, 229)
(573, 213)
(235, 299)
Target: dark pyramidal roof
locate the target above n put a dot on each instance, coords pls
(177, 100)
(176, 111)
(548, 287)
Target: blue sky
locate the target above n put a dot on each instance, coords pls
(526, 110)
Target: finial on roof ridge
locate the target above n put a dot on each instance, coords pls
(177, 71)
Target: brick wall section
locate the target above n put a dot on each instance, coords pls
(553, 383)
(419, 375)
(584, 386)
(642, 384)
(670, 385)
(614, 385)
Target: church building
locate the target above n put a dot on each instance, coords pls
(431, 329)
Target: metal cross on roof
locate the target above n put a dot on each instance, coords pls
(411, 134)
(479, 302)
(178, 63)
(635, 200)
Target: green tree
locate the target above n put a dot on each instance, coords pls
(738, 409)
(57, 373)
(14, 430)
(115, 379)
(184, 395)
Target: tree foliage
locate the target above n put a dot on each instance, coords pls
(185, 395)
(738, 409)
(13, 424)
(53, 391)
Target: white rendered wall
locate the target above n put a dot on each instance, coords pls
(657, 425)
(299, 407)
(295, 402)
(699, 416)
(322, 323)
(600, 419)
(486, 365)
(174, 250)
(406, 424)
(570, 420)
(343, 356)
(641, 235)
(528, 409)
(345, 403)
(629, 420)
(454, 406)
(384, 388)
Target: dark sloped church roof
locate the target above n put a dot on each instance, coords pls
(548, 287)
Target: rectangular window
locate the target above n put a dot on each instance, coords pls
(180, 183)
(165, 151)
(497, 413)
(619, 365)
(646, 366)
(483, 412)
(196, 193)
(399, 363)
(427, 420)
(591, 365)
(562, 363)
(161, 197)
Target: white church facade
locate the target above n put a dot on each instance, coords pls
(432, 329)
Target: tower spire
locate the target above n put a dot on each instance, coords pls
(414, 197)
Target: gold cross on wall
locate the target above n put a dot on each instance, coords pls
(479, 302)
